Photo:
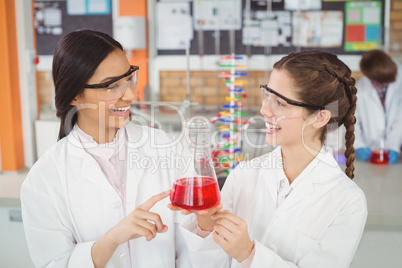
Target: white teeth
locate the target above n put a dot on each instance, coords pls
(120, 110)
(271, 127)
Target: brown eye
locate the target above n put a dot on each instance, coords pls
(280, 102)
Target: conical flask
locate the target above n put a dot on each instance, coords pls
(379, 155)
(198, 188)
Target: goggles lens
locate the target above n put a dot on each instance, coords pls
(279, 106)
(117, 89)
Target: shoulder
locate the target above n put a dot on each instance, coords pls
(250, 170)
(47, 167)
(333, 181)
(152, 142)
(363, 85)
(146, 134)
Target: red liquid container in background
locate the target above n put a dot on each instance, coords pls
(379, 157)
(195, 193)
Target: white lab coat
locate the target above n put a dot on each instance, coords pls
(68, 203)
(319, 224)
(372, 121)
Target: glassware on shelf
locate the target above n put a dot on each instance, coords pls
(197, 188)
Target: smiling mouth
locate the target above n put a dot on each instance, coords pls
(271, 128)
(120, 109)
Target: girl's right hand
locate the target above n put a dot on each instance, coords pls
(140, 222)
(203, 216)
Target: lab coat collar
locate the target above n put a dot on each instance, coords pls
(137, 137)
(321, 170)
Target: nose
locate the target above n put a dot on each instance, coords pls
(266, 110)
(129, 93)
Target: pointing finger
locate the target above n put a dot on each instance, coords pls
(147, 205)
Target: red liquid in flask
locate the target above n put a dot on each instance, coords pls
(379, 157)
(195, 193)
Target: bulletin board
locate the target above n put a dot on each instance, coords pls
(362, 28)
(53, 20)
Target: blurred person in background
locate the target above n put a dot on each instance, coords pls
(379, 107)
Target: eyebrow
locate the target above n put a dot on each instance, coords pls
(113, 78)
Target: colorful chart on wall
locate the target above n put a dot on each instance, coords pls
(88, 7)
(363, 26)
(279, 26)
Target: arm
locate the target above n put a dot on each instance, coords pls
(393, 139)
(138, 223)
(51, 242)
(203, 250)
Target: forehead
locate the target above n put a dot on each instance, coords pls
(115, 64)
(281, 82)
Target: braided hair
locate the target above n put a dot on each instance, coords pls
(324, 80)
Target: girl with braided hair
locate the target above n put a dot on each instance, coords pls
(293, 207)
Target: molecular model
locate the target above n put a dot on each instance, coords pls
(229, 122)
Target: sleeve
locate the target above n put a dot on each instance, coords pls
(335, 249)
(51, 243)
(204, 251)
(394, 135)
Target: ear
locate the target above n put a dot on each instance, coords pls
(75, 101)
(321, 118)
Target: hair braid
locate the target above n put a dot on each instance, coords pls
(349, 119)
(349, 122)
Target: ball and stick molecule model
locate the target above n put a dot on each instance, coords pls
(229, 121)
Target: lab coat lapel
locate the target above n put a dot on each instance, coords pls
(320, 170)
(90, 169)
(136, 141)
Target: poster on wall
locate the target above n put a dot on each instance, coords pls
(88, 7)
(267, 29)
(302, 5)
(318, 28)
(363, 26)
(48, 18)
(217, 15)
(174, 29)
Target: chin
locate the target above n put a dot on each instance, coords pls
(272, 140)
(121, 122)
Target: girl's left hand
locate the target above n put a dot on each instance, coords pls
(232, 235)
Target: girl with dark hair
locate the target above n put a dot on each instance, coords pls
(88, 201)
(379, 107)
(293, 207)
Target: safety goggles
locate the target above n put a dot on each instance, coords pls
(281, 106)
(117, 86)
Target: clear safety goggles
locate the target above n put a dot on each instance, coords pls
(115, 88)
(281, 106)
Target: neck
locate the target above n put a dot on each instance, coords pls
(297, 157)
(100, 135)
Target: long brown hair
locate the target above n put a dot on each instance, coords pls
(75, 60)
(323, 79)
